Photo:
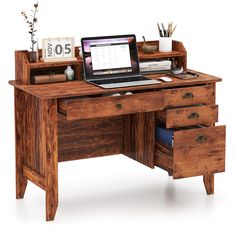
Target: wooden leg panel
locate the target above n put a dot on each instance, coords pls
(21, 181)
(49, 153)
(208, 180)
(21, 184)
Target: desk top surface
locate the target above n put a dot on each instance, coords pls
(82, 88)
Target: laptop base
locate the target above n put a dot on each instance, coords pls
(126, 84)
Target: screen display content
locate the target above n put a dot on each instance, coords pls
(111, 57)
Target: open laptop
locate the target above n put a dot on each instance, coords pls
(112, 62)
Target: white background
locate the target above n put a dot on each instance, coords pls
(115, 195)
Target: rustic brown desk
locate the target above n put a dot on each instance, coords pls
(73, 120)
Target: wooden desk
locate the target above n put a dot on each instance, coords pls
(73, 120)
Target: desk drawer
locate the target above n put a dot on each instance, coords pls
(187, 116)
(84, 108)
(189, 96)
(194, 152)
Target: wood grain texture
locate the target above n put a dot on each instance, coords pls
(27, 125)
(89, 138)
(198, 167)
(81, 108)
(48, 143)
(182, 61)
(34, 177)
(164, 161)
(164, 157)
(82, 88)
(27, 130)
(139, 137)
(157, 54)
(178, 52)
(188, 116)
(189, 96)
(188, 144)
(208, 181)
(190, 157)
(199, 151)
(22, 71)
(21, 180)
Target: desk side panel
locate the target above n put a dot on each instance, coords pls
(22, 72)
(82, 139)
(27, 131)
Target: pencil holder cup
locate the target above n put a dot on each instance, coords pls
(165, 44)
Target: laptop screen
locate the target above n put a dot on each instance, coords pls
(112, 56)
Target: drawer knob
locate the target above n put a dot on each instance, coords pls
(193, 115)
(201, 139)
(119, 106)
(188, 95)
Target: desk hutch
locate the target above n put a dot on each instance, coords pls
(73, 120)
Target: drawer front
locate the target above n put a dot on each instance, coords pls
(189, 96)
(199, 151)
(187, 116)
(110, 106)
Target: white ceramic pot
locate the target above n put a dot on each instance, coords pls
(165, 44)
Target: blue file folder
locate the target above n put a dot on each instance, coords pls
(165, 136)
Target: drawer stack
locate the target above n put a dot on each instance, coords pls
(187, 141)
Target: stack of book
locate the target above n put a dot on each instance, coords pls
(155, 66)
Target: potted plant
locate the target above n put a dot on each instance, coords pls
(31, 22)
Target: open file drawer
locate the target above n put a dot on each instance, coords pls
(193, 152)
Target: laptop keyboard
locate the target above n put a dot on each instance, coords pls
(119, 80)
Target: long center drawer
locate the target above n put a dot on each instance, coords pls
(84, 108)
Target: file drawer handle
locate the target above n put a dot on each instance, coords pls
(193, 115)
(188, 95)
(201, 139)
(119, 106)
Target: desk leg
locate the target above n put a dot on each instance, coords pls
(208, 180)
(170, 174)
(49, 152)
(21, 181)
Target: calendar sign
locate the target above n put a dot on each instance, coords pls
(58, 49)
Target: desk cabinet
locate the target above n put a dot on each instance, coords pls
(198, 146)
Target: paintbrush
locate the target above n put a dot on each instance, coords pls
(173, 30)
(163, 28)
(159, 28)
